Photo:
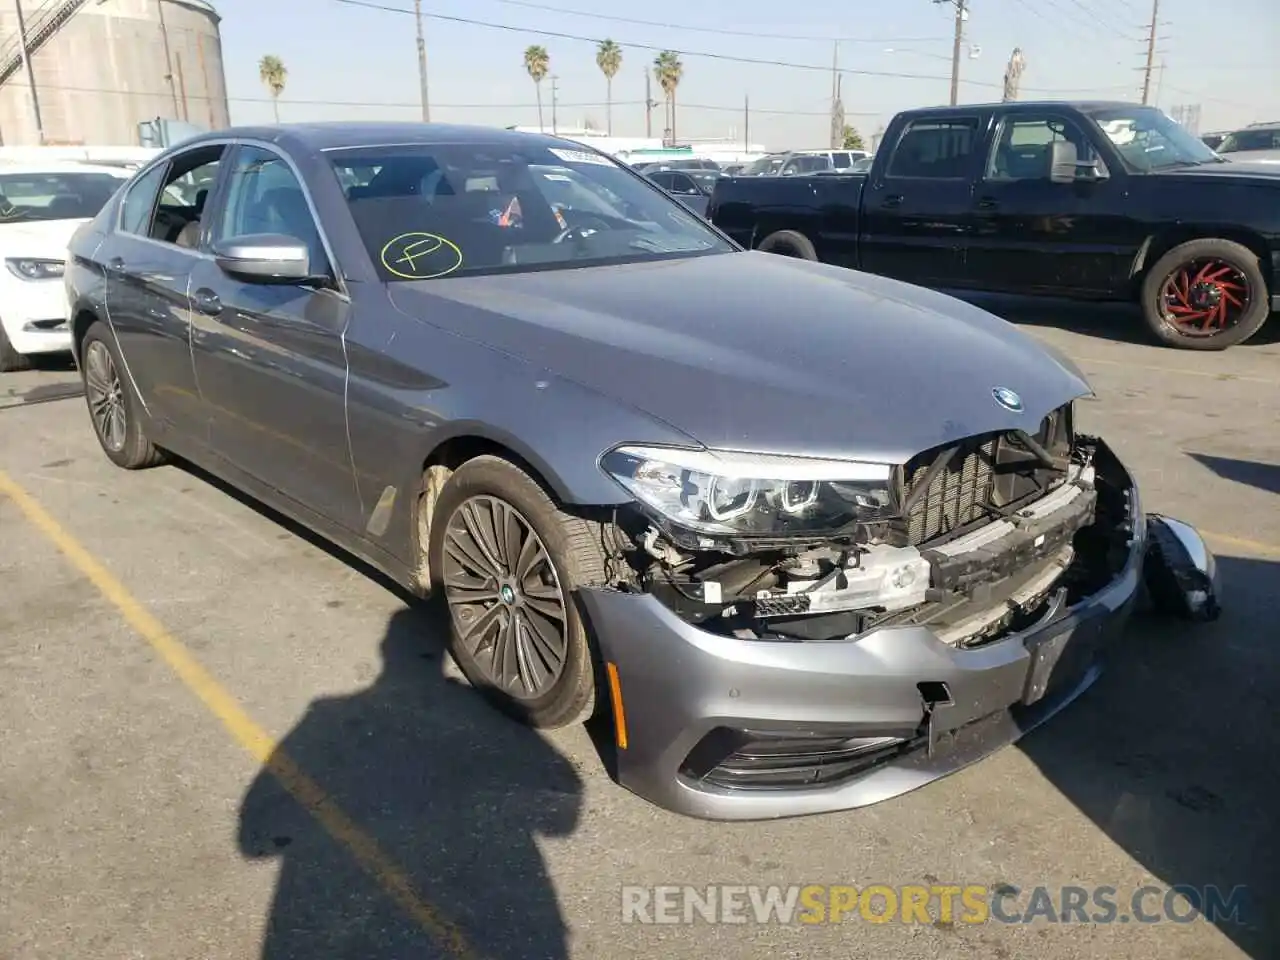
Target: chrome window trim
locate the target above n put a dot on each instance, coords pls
(269, 147)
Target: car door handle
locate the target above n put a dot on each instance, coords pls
(988, 203)
(207, 302)
(893, 201)
(116, 264)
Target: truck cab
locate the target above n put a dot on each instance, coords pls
(1094, 200)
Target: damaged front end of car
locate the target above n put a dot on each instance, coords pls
(793, 635)
(971, 539)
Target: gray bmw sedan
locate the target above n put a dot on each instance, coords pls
(808, 537)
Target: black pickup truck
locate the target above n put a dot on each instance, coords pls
(1101, 201)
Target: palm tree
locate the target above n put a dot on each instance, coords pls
(609, 60)
(272, 72)
(537, 63)
(667, 70)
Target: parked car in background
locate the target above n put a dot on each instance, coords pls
(1084, 200)
(620, 448)
(679, 163)
(41, 205)
(691, 187)
(766, 166)
(1212, 140)
(1256, 142)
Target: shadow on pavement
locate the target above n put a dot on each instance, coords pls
(452, 791)
(1119, 322)
(1174, 753)
(1264, 476)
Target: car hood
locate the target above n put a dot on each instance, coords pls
(754, 351)
(1242, 169)
(42, 239)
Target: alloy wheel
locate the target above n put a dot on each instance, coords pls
(106, 396)
(1205, 296)
(505, 597)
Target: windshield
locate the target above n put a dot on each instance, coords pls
(25, 197)
(451, 210)
(764, 167)
(1150, 140)
(706, 179)
(1251, 140)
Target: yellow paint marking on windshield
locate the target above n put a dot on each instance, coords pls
(402, 256)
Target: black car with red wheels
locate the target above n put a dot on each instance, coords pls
(1091, 201)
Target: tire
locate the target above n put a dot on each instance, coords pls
(788, 243)
(1192, 274)
(575, 558)
(11, 361)
(114, 409)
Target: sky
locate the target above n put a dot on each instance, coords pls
(357, 59)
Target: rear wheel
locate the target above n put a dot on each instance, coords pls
(11, 361)
(114, 410)
(789, 243)
(1206, 295)
(508, 562)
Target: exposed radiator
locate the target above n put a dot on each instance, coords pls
(957, 495)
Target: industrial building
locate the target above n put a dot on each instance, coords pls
(99, 68)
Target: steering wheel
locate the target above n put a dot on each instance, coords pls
(590, 222)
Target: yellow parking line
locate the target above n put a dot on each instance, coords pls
(1256, 545)
(393, 880)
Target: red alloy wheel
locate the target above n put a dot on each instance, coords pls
(1205, 296)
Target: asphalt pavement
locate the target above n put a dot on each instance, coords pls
(220, 738)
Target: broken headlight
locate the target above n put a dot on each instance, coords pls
(725, 493)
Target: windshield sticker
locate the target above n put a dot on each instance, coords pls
(581, 156)
(421, 256)
(558, 177)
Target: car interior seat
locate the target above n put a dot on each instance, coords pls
(189, 235)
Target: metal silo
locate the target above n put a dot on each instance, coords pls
(101, 67)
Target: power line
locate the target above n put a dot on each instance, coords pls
(755, 61)
(728, 58)
(719, 31)
(415, 104)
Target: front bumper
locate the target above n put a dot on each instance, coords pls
(691, 698)
(34, 314)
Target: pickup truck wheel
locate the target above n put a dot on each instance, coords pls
(1206, 295)
(788, 243)
(509, 562)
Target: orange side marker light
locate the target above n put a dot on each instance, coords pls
(619, 715)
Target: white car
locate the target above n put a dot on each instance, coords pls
(41, 205)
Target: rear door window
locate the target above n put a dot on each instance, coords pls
(936, 149)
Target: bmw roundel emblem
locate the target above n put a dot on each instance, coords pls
(1007, 399)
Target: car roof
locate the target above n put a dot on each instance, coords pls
(1084, 106)
(62, 166)
(346, 134)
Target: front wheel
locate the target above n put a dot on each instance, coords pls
(789, 243)
(509, 562)
(1206, 295)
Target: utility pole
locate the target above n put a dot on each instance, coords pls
(31, 76)
(422, 62)
(835, 90)
(955, 51)
(648, 105)
(168, 57)
(1151, 50)
(554, 91)
(746, 123)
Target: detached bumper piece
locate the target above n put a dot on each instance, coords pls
(1180, 571)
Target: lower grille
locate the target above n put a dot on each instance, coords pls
(957, 495)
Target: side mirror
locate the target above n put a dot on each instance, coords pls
(264, 258)
(1065, 165)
